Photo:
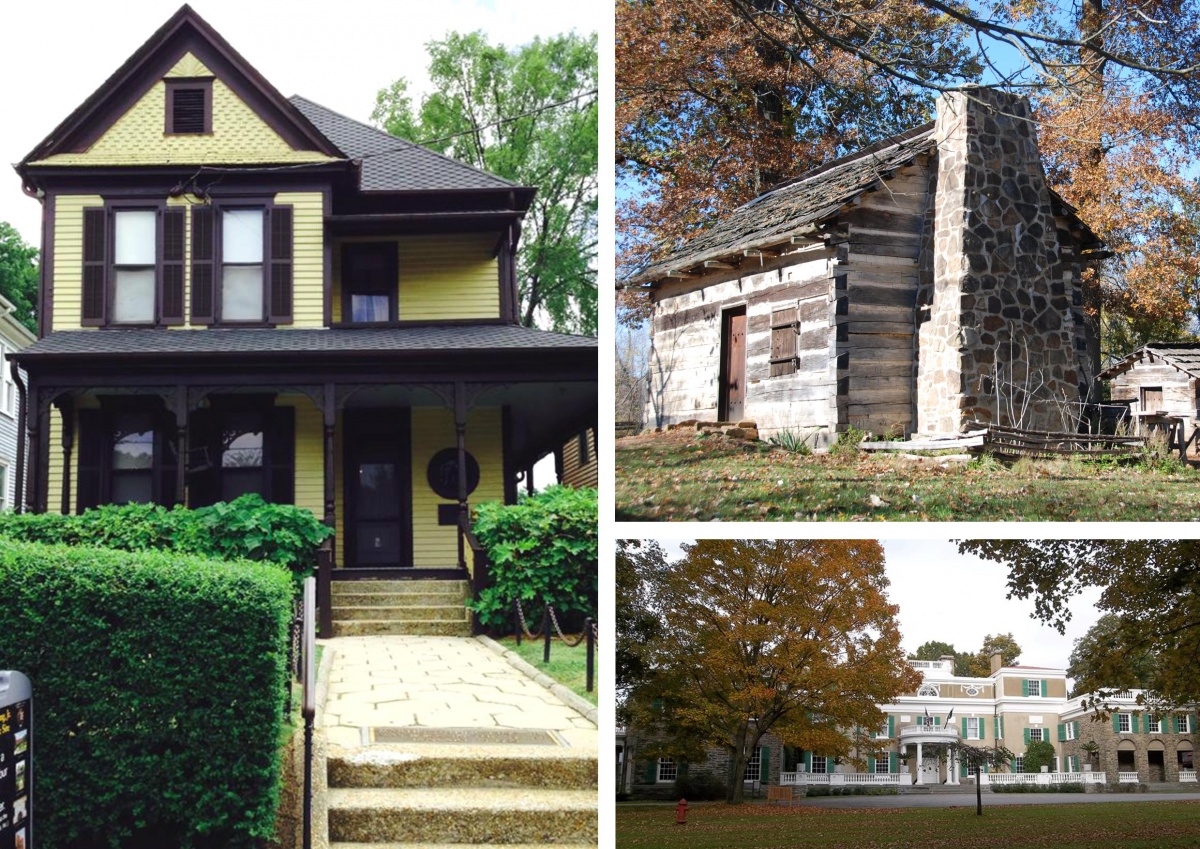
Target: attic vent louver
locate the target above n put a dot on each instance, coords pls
(189, 107)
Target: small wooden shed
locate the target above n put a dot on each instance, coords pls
(1161, 384)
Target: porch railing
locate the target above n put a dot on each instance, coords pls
(1127, 778)
(1187, 776)
(840, 778)
(324, 592)
(477, 563)
(1044, 779)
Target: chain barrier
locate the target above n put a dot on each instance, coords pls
(589, 632)
(524, 626)
(561, 635)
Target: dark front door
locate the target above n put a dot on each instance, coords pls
(378, 489)
(733, 364)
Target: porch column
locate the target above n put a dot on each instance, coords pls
(22, 426)
(920, 769)
(181, 435)
(952, 767)
(460, 431)
(66, 409)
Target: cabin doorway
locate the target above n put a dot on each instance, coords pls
(732, 395)
(378, 489)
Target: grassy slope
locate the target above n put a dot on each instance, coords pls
(1141, 825)
(680, 477)
(568, 666)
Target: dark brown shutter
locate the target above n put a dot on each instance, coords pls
(783, 342)
(280, 439)
(280, 311)
(92, 444)
(95, 254)
(171, 299)
(203, 251)
(203, 458)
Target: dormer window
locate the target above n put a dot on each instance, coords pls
(189, 107)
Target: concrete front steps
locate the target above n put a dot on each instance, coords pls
(391, 796)
(417, 607)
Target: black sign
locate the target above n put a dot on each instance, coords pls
(16, 773)
(443, 473)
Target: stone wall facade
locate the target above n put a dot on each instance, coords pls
(999, 342)
(1140, 743)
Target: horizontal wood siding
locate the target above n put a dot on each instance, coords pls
(310, 454)
(436, 546)
(68, 259)
(448, 277)
(578, 474)
(1178, 391)
(54, 477)
(308, 268)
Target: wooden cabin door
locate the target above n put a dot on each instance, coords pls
(732, 396)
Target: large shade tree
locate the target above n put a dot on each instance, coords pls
(19, 275)
(528, 114)
(794, 637)
(1151, 586)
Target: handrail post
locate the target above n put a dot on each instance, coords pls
(546, 632)
(589, 624)
(309, 705)
(324, 589)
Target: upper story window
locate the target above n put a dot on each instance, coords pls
(973, 732)
(1153, 724)
(1033, 687)
(242, 250)
(8, 389)
(1123, 722)
(135, 265)
(370, 282)
(1036, 735)
(1183, 724)
(189, 107)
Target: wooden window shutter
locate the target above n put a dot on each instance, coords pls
(95, 255)
(783, 342)
(171, 297)
(1026, 736)
(203, 253)
(891, 727)
(280, 310)
(1024, 688)
(1045, 689)
(808, 761)
(1116, 722)
(91, 459)
(764, 765)
(892, 765)
(280, 439)
(651, 774)
(870, 765)
(982, 728)
(964, 728)
(1076, 730)
(1062, 731)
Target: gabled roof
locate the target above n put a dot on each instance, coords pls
(791, 208)
(184, 30)
(391, 164)
(1183, 356)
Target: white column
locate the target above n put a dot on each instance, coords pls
(952, 768)
(920, 767)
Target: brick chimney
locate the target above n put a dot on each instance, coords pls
(998, 297)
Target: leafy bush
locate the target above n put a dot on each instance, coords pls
(1063, 787)
(850, 790)
(542, 550)
(847, 442)
(247, 528)
(1038, 754)
(158, 691)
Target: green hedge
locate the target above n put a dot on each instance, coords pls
(245, 529)
(1062, 787)
(542, 550)
(158, 692)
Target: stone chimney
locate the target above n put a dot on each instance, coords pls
(998, 342)
(947, 660)
(997, 661)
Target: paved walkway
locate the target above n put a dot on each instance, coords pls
(438, 682)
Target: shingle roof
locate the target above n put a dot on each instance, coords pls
(787, 209)
(235, 342)
(391, 164)
(1181, 355)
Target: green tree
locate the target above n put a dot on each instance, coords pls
(979, 664)
(19, 275)
(1105, 650)
(1038, 753)
(1152, 586)
(529, 115)
(639, 567)
(794, 637)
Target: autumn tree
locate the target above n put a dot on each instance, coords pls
(1096, 653)
(527, 114)
(1151, 586)
(19, 275)
(793, 637)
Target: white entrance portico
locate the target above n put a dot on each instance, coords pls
(927, 732)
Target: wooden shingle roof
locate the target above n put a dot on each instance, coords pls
(1180, 355)
(791, 208)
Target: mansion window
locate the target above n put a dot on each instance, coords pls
(973, 732)
(820, 764)
(1033, 688)
(1153, 724)
(753, 769)
(668, 770)
(883, 764)
(1070, 730)
(1019, 763)
(1122, 722)
(1183, 724)
(1037, 735)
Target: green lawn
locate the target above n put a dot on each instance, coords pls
(679, 476)
(1128, 825)
(568, 666)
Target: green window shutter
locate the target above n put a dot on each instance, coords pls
(764, 766)
(1192, 723)
(1062, 731)
(893, 762)
(1000, 728)
(1045, 689)
(871, 764)
(1116, 722)
(937, 721)
(1076, 729)
(808, 761)
(1133, 722)
(963, 769)
(1026, 736)
(1024, 688)
(964, 728)
(651, 775)
(891, 727)
(982, 728)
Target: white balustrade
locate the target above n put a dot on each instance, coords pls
(1042, 778)
(837, 779)
(1187, 776)
(1127, 778)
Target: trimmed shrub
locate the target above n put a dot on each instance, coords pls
(158, 693)
(1062, 787)
(247, 528)
(543, 551)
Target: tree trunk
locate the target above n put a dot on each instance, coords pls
(737, 765)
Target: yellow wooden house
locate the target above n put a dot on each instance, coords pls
(243, 292)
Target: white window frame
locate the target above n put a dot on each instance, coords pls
(667, 772)
(973, 734)
(884, 761)
(8, 388)
(4, 505)
(1037, 735)
(1153, 724)
(1123, 726)
(1019, 763)
(753, 770)
(882, 733)
(824, 764)
(1186, 723)
(1032, 684)
(1070, 734)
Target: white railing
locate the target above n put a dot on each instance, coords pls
(937, 732)
(1187, 776)
(932, 664)
(1127, 778)
(1043, 778)
(840, 778)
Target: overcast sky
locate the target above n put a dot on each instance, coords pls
(337, 54)
(959, 600)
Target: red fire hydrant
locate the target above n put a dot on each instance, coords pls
(681, 812)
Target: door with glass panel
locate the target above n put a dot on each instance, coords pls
(378, 488)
